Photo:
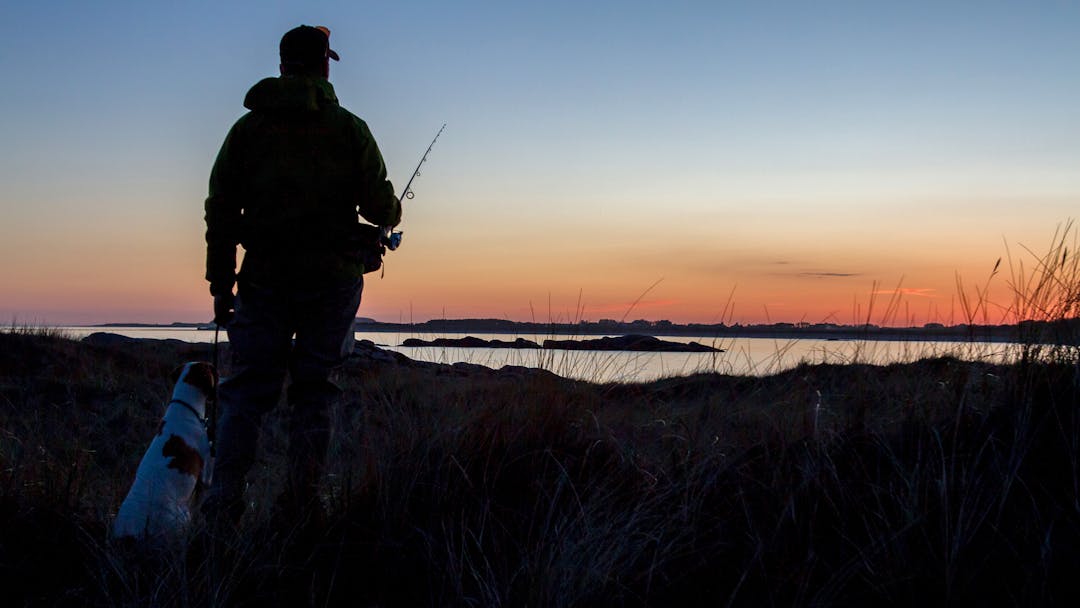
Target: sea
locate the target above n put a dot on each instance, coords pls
(740, 356)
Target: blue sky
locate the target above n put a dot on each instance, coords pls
(590, 147)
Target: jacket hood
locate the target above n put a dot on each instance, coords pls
(287, 93)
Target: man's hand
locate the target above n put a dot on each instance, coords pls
(223, 308)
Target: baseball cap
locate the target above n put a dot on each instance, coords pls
(306, 44)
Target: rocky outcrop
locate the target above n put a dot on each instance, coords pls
(471, 342)
(639, 343)
(631, 342)
(366, 355)
(101, 338)
(367, 351)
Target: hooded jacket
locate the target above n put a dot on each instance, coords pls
(287, 185)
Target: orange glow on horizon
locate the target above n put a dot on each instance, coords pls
(155, 275)
(763, 303)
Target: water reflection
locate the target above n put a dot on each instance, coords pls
(742, 356)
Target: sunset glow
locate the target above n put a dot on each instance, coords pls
(698, 163)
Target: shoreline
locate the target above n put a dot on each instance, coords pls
(978, 334)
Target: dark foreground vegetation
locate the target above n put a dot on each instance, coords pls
(936, 482)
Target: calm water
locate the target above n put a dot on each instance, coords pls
(742, 356)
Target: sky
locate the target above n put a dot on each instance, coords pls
(698, 162)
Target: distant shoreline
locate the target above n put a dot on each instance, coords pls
(1027, 332)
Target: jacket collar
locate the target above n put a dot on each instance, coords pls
(285, 93)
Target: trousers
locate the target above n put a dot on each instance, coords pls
(305, 333)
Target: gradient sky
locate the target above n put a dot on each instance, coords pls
(751, 161)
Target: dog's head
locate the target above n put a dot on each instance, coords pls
(199, 374)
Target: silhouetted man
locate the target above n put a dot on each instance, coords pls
(288, 184)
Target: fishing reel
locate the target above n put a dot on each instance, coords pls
(391, 239)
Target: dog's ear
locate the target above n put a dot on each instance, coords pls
(202, 376)
(174, 375)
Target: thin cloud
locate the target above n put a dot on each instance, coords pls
(828, 275)
(920, 292)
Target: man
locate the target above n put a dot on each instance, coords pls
(287, 185)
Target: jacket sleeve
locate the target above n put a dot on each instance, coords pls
(376, 201)
(223, 216)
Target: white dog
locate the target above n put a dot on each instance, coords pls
(158, 503)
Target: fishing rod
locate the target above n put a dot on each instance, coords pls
(391, 239)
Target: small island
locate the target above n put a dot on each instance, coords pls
(632, 342)
(471, 342)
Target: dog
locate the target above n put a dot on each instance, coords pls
(159, 502)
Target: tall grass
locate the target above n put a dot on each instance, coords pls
(1047, 289)
(934, 481)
